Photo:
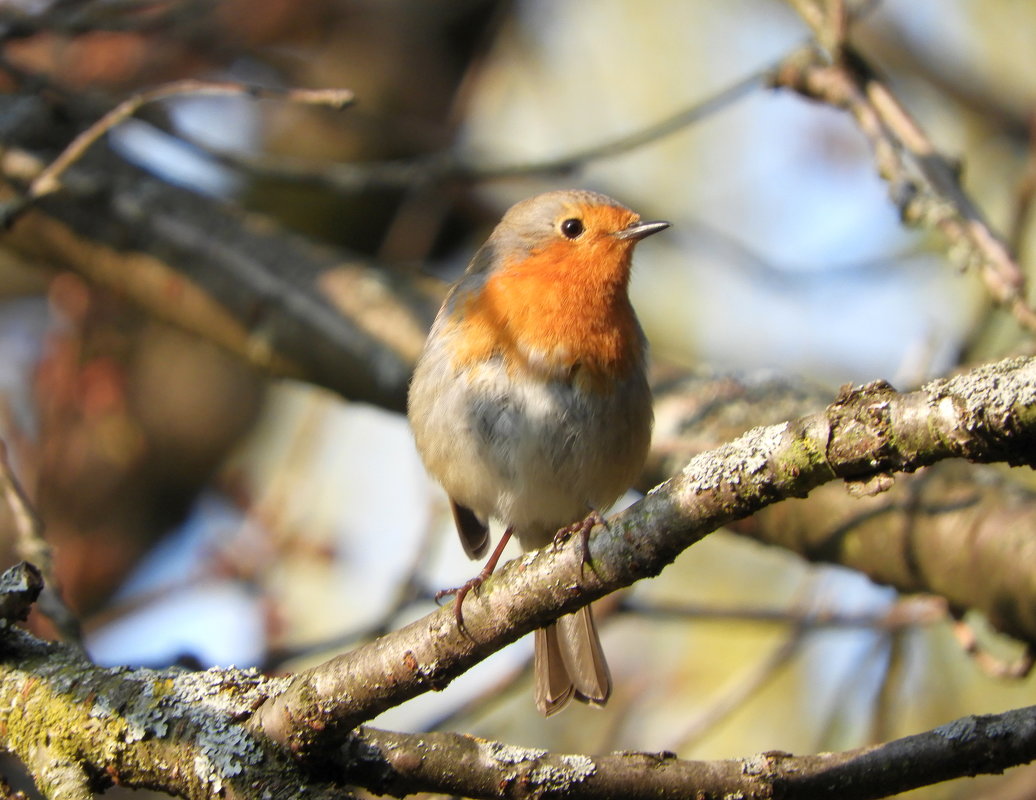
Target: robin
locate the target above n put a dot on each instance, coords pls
(530, 402)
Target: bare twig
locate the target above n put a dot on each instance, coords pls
(34, 548)
(625, 144)
(828, 19)
(725, 702)
(48, 181)
(924, 183)
(907, 612)
(990, 664)
(456, 764)
(456, 166)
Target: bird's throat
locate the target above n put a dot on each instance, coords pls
(554, 324)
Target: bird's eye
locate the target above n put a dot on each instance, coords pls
(572, 227)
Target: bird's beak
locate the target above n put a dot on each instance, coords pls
(640, 230)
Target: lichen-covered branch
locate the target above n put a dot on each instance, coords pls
(943, 530)
(985, 415)
(79, 728)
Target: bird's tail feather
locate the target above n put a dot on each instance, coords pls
(569, 664)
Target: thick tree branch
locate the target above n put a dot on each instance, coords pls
(80, 728)
(943, 530)
(986, 415)
(287, 305)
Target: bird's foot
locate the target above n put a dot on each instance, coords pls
(475, 583)
(460, 592)
(583, 527)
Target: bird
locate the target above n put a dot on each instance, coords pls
(530, 401)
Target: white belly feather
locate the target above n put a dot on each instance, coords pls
(535, 454)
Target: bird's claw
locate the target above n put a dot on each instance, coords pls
(583, 527)
(462, 591)
(459, 593)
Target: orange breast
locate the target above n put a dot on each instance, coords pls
(564, 307)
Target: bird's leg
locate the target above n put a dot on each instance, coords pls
(461, 591)
(583, 528)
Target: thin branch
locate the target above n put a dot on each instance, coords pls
(906, 613)
(990, 664)
(456, 764)
(830, 20)
(726, 702)
(924, 183)
(448, 165)
(48, 181)
(625, 144)
(34, 548)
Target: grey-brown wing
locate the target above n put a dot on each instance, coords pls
(474, 534)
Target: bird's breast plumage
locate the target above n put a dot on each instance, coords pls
(552, 317)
